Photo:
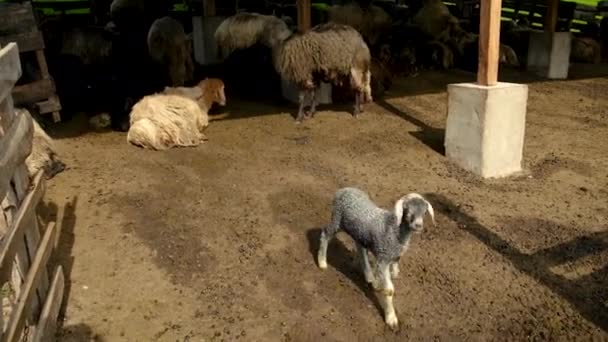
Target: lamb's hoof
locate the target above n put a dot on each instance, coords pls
(370, 279)
(323, 265)
(392, 321)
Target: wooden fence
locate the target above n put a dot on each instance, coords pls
(30, 298)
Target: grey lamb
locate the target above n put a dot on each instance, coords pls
(385, 233)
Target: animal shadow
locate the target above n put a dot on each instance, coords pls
(339, 257)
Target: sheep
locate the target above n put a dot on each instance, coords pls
(371, 21)
(244, 30)
(329, 52)
(170, 47)
(385, 233)
(585, 50)
(177, 116)
(43, 155)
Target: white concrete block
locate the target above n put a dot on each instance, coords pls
(485, 127)
(290, 92)
(549, 54)
(203, 29)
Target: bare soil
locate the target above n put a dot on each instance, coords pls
(218, 242)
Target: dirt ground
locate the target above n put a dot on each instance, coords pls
(218, 242)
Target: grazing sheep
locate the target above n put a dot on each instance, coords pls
(371, 22)
(585, 50)
(385, 233)
(177, 116)
(244, 30)
(169, 46)
(328, 52)
(43, 155)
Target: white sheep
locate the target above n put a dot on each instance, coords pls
(385, 233)
(175, 117)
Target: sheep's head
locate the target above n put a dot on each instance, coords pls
(411, 209)
(213, 91)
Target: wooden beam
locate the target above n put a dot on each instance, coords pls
(45, 330)
(303, 15)
(17, 320)
(489, 42)
(551, 15)
(15, 146)
(26, 211)
(208, 8)
(28, 41)
(30, 93)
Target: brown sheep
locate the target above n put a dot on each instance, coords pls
(175, 117)
(170, 47)
(585, 50)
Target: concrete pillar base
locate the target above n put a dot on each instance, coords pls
(485, 127)
(290, 92)
(203, 29)
(549, 54)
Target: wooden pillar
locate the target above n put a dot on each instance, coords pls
(551, 16)
(303, 15)
(208, 8)
(489, 42)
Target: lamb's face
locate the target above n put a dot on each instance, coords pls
(414, 211)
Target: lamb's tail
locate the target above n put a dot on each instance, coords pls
(219, 116)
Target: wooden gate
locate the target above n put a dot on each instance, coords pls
(30, 298)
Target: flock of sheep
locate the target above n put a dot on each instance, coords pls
(359, 49)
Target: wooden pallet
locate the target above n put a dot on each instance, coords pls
(18, 24)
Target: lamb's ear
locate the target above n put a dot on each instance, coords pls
(399, 210)
(431, 212)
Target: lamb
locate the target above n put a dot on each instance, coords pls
(328, 52)
(170, 47)
(177, 116)
(43, 155)
(371, 21)
(385, 233)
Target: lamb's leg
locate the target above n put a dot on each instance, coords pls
(301, 98)
(364, 260)
(395, 270)
(327, 234)
(313, 103)
(357, 109)
(387, 292)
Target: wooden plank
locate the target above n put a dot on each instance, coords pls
(33, 92)
(32, 239)
(15, 145)
(44, 68)
(551, 15)
(304, 22)
(47, 326)
(489, 40)
(16, 18)
(28, 41)
(10, 69)
(9, 245)
(208, 8)
(49, 106)
(17, 320)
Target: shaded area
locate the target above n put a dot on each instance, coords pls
(586, 294)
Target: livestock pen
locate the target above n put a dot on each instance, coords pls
(219, 241)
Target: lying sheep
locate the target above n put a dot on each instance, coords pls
(328, 52)
(43, 155)
(170, 47)
(385, 233)
(177, 116)
(585, 50)
(371, 21)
